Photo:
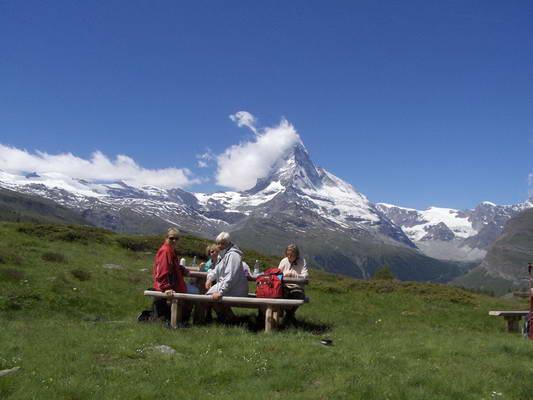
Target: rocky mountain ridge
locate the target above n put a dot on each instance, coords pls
(338, 227)
(454, 234)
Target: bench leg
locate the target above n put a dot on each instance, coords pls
(175, 313)
(513, 324)
(276, 317)
(268, 319)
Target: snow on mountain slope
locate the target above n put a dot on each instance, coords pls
(340, 202)
(446, 233)
(240, 201)
(295, 178)
(455, 220)
(418, 223)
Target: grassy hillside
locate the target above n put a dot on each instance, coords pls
(69, 297)
(338, 252)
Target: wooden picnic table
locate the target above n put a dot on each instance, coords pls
(194, 273)
(511, 317)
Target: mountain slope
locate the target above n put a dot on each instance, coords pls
(338, 229)
(20, 207)
(445, 233)
(507, 259)
(336, 226)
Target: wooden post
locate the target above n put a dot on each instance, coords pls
(276, 317)
(268, 319)
(174, 311)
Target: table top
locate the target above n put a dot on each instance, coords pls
(194, 273)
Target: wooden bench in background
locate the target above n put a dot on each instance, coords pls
(511, 317)
(274, 308)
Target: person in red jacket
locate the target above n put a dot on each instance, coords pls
(168, 275)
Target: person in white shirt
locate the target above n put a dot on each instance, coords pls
(293, 266)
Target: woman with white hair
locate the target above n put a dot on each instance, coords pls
(227, 278)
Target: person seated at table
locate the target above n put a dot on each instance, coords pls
(293, 266)
(227, 278)
(168, 276)
(211, 252)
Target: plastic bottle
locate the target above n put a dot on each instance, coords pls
(256, 269)
(183, 262)
(194, 261)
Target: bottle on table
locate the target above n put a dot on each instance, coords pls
(257, 272)
(183, 261)
(194, 261)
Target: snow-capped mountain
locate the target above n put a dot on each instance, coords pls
(453, 234)
(336, 226)
(116, 205)
(296, 180)
(293, 179)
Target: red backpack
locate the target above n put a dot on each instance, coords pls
(270, 284)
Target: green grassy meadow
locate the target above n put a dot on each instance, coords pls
(69, 298)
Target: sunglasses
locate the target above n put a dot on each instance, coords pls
(173, 238)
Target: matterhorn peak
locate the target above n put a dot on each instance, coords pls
(294, 169)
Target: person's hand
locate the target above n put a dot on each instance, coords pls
(169, 293)
(208, 284)
(291, 274)
(217, 296)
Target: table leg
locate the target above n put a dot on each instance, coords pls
(268, 319)
(276, 318)
(175, 311)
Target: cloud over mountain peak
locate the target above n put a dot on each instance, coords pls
(241, 165)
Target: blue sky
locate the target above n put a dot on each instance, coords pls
(415, 103)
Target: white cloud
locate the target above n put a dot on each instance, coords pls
(205, 159)
(244, 118)
(241, 165)
(98, 167)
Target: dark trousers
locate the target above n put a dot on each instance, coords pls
(161, 310)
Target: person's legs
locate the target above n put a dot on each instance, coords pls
(295, 293)
(160, 310)
(224, 313)
(186, 309)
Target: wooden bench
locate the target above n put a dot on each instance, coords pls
(274, 308)
(511, 317)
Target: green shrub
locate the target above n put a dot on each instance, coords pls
(53, 257)
(11, 275)
(383, 273)
(66, 233)
(9, 257)
(81, 274)
(139, 243)
(21, 301)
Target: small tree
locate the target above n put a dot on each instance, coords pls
(383, 273)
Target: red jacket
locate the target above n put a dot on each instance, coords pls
(167, 271)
